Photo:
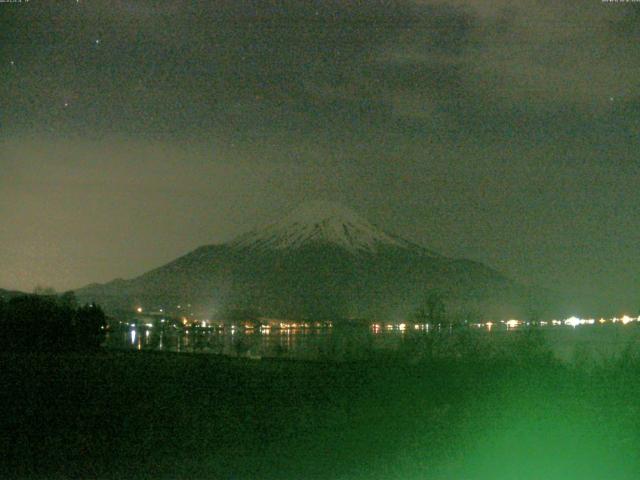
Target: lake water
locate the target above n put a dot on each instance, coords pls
(596, 342)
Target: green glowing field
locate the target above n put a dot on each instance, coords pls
(469, 416)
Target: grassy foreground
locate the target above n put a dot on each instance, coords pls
(468, 416)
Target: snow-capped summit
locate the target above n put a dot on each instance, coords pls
(322, 223)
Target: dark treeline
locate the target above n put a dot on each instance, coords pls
(50, 323)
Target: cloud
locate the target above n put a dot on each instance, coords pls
(185, 68)
(543, 55)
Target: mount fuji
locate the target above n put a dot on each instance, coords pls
(323, 223)
(322, 261)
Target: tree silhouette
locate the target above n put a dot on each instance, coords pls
(43, 291)
(68, 299)
(432, 309)
(90, 324)
(50, 323)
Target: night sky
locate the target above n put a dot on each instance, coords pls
(132, 132)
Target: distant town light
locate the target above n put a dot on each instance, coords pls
(573, 321)
(512, 323)
(139, 309)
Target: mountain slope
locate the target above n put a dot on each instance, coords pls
(322, 261)
(323, 223)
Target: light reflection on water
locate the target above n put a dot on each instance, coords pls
(352, 343)
(286, 343)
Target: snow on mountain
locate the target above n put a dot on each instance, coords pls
(322, 223)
